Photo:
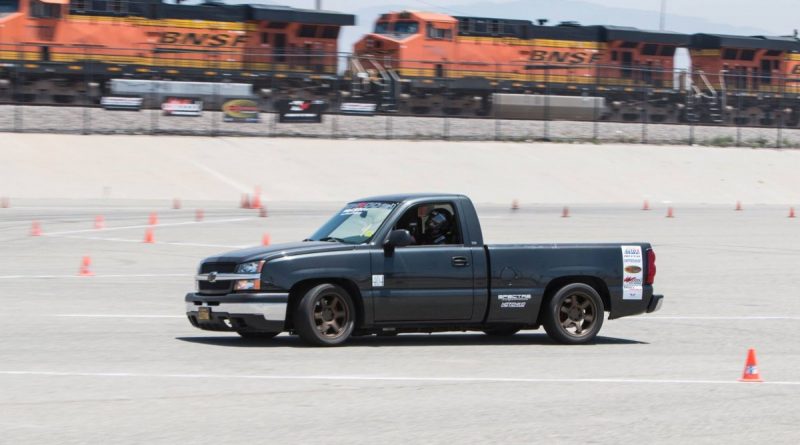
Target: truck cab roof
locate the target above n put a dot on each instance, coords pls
(412, 196)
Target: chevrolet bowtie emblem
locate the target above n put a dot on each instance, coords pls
(212, 277)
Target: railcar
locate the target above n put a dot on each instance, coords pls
(63, 50)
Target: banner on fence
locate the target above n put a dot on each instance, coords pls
(358, 108)
(240, 110)
(121, 103)
(300, 111)
(182, 106)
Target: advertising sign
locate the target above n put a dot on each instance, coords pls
(182, 106)
(121, 103)
(358, 108)
(632, 273)
(300, 111)
(240, 110)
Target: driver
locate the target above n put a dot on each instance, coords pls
(437, 226)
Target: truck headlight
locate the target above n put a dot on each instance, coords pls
(247, 284)
(250, 267)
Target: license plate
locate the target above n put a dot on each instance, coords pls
(204, 314)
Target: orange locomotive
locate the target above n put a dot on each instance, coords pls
(474, 57)
(52, 47)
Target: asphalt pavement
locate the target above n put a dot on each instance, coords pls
(111, 358)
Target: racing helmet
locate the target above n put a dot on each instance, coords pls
(438, 222)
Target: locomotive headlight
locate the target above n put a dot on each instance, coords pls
(250, 267)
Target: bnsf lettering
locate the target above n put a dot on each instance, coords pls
(192, 38)
(564, 57)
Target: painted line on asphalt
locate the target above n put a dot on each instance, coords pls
(226, 179)
(142, 226)
(720, 317)
(166, 243)
(35, 277)
(367, 378)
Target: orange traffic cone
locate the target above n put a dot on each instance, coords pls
(670, 212)
(256, 202)
(265, 240)
(750, 373)
(176, 203)
(149, 237)
(791, 212)
(99, 222)
(198, 215)
(153, 219)
(646, 205)
(565, 212)
(738, 206)
(245, 201)
(85, 270)
(515, 205)
(36, 229)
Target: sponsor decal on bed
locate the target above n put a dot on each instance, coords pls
(632, 273)
(513, 301)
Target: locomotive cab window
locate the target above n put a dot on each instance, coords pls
(9, 6)
(650, 49)
(382, 28)
(43, 10)
(439, 33)
(406, 27)
(307, 31)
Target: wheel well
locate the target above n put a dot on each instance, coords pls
(300, 288)
(599, 285)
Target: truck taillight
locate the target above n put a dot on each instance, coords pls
(651, 267)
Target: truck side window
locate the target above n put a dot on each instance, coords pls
(432, 224)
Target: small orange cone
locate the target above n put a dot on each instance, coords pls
(149, 237)
(262, 212)
(791, 212)
(265, 240)
(176, 203)
(36, 229)
(153, 219)
(670, 212)
(198, 215)
(750, 373)
(565, 212)
(646, 205)
(4, 202)
(738, 206)
(85, 270)
(245, 201)
(256, 202)
(515, 205)
(99, 222)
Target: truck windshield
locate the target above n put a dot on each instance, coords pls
(9, 6)
(356, 223)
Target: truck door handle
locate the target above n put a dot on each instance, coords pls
(460, 261)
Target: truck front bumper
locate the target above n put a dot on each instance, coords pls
(655, 303)
(261, 312)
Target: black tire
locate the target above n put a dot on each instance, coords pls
(325, 315)
(574, 315)
(257, 335)
(501, 331)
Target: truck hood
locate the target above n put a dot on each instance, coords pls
(278, 250)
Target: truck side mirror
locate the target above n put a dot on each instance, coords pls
(397, 238)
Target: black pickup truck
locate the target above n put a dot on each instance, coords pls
(417, 263)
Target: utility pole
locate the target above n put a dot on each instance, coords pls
(663, 20)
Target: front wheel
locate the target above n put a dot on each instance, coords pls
(325, 315)
(574, 315)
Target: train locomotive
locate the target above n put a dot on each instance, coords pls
(54, 50)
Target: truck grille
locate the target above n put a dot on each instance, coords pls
(220, 287)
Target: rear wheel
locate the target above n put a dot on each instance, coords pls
(325, 315)
(574, 315)
(257, 335)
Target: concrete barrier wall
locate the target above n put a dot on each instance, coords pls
(306, 170)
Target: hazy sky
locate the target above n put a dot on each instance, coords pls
(776, 16)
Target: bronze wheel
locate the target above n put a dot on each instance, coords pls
(325, 315)
(574, 315)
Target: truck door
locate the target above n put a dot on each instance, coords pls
(431, 280)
